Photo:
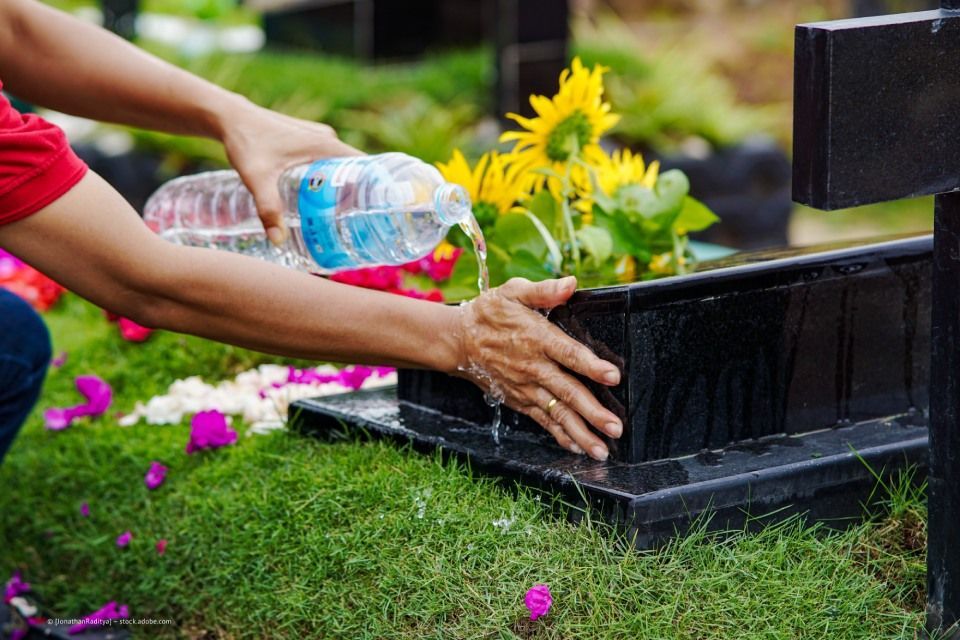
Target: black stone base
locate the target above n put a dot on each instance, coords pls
(827, 475)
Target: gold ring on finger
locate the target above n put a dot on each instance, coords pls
(550, 405)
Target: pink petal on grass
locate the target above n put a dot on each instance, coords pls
(60, 360)
(98, 395)
(354, 377)
(156, 474)
(109, 611)
(161, 546)
(133, 332)
(124, 539)
(85, 510)
(209, 430)
(538, 600)
(97, 392)
(15, 587)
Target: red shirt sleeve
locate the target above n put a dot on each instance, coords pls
(37, 165)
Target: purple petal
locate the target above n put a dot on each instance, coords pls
(156, 474)
(60, 360)
(538, 600)
(124, 539)
(97, 392)
(85, 510)
(354, 377)
(98, 395)
(109, 611)
(15, 587)
(209, 430)
(57, 419)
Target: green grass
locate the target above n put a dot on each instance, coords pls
(281, 536)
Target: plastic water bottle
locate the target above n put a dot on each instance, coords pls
(342, 213)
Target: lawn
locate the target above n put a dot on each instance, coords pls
(279, 536)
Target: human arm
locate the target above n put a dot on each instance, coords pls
(91, 241)
(57, 61)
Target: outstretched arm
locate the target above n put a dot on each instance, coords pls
(92, 241)
(60, 62)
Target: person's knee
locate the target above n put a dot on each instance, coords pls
(24, 343)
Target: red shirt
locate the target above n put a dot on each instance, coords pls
(37, 165)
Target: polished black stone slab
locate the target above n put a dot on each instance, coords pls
(875, 109)
(758, 345)
(827, 475)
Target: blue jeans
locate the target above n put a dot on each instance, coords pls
(24, 356)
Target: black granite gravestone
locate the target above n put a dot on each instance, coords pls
(771, 383)
(876, 104)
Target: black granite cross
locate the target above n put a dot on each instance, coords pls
(877, 118)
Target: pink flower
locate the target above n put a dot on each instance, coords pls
(354, 377)
(161, 546)
(133, 332)
(124, 539)
(351, 377)
(23, 280)
(60, 360)
(98, 395)
(538, 600)
(15, 587)
(85, 510)
(156, 474)
(209, 430)
(109, 611)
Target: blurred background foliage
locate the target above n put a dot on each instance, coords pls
(686, 75)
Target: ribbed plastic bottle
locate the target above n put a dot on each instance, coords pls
(342, 213)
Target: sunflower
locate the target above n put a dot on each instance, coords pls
(493, 184)
(620, 169)
(573, 120)
(623, 168)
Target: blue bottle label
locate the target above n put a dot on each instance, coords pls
(317, 203)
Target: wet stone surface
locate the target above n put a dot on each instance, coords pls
(653, 499)
(763, 344)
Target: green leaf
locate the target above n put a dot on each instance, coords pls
(597, 242)
(515, 231)
(553, 250)
(672, 186)
(636, 201)
(695, 216)
(524, 264)
(544, 206)
(626, 238)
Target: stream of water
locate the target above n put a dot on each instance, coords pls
(473, 231)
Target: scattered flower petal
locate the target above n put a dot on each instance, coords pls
(85, 510)
(161, 546)
(124, 539)
(133, 332)
(60, 360)
(538, 600)
(15, 587)
(18, 634)
(260, 397)
(109, 611)
(209, 430)
(98, 395)
(156, 474)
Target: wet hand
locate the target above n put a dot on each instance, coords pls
(262, 144)
(516, 355)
